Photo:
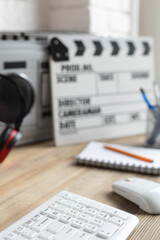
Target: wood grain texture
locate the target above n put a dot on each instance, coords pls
(32, 174)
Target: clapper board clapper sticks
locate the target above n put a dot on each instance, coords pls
(95, 85)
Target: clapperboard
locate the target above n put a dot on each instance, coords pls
(95, 86)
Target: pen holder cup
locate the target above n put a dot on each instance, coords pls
(153, 128)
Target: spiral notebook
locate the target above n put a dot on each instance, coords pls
(96, 155)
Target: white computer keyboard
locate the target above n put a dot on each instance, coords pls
(68, 216)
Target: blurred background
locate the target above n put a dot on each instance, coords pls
(115, 18)
(105, 17)
(121, 18)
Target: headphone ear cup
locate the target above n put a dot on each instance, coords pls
(10, 101)
(16, 100)
(25, 89)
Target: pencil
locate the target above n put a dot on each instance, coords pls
(129, 154)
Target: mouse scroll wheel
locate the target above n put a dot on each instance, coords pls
(129, 180)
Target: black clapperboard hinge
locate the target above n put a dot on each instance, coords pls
(115, 47)
(131, 48)
(80, 48)
(58, 50)
(146, 48)
(98, 48)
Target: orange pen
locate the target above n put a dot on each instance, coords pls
(129, 154)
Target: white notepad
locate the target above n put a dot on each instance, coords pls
(96, 155)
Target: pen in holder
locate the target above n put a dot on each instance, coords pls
(153, 127)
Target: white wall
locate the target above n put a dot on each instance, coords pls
(105, 17)
(150, 26)
(21, 15)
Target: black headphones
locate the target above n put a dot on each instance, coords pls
(16, 100)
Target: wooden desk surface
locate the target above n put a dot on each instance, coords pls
(32, 174)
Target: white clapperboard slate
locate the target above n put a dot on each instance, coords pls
(96, 85)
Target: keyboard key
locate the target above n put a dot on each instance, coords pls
(95, 237)
(75, 198)
(116, 212)
(68, 203)
(91, 211)
(78, 223)
(53, 206)
(54, 214)
(16, 237)
(116, 221)
(29, 233)
(46, 211)
(36, 238)
(61, 208)
(20, 230)
(90, 228)
(60, 200)
(121, 214)
(79, 207)
(29, 223)
(107, 230)
(45, 235)
(66, 219)
(55, 227)
(11, 236)
(103, 216)
(73, 213)
(81, 236)
(37, 217)
(97, 222)
(40, 225)
(65, 194)
(65, 234)
(91, 204)
(84, 217)
(110, 210)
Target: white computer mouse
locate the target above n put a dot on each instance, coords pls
(144, 193)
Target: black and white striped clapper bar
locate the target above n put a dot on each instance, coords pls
(95, 85)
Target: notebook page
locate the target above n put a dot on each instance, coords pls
(95, 151)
